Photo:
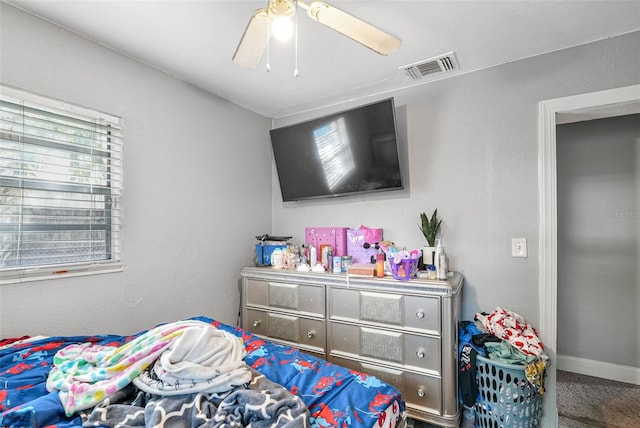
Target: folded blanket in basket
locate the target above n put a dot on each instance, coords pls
(521, 343)
(513, 328)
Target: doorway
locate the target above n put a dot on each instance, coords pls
(601, 104)
(598, 185)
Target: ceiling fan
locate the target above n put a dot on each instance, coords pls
(266, 22)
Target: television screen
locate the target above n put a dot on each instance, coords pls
(349, 152)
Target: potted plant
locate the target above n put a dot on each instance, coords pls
(430, 228)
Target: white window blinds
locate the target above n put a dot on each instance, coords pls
(60, 188)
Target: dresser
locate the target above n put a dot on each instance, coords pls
(403, 332)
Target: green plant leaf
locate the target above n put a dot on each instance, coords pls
(430, 226)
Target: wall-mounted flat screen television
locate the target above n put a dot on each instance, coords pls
(350, 152)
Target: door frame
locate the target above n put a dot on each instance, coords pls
(607, 103)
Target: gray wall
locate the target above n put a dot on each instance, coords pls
(471, 146)
(190, 213)
(598, 235)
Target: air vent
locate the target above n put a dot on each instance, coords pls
(428, 67)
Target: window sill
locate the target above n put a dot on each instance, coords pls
(56, 272)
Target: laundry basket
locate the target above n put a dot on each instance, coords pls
(506, 399)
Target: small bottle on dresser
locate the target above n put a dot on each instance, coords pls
(440, 260)
(380, 264)
(313, 255)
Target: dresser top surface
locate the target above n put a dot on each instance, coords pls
(449, 287)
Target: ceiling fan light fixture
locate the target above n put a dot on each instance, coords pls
(282, 28)
(284, 8)
(256, 37)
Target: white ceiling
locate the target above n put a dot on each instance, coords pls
(195, 40)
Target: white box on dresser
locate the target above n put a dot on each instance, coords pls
(403, 332)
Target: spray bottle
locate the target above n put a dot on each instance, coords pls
(441, 262)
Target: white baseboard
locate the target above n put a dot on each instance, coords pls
(599, 369)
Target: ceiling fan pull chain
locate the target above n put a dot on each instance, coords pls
(268, 66)
(295, 23)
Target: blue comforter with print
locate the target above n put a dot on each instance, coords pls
(334, 395)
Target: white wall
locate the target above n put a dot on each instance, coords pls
(471, 144)
(196, 187)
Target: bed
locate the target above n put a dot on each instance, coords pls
(163, 377)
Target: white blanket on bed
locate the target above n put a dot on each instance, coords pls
(200, 360)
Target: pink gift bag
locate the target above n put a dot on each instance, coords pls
(356, 238)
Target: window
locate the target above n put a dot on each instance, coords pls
(60, 188)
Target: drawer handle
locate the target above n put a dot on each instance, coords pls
(420, 353)
(420, 314)
(256, 323)
(311, 333)
(421, 393)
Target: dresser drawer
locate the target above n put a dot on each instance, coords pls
(403, 333)
(420, 313)
(303, 331)
(420, 392)
(308, 299)
(398, 347)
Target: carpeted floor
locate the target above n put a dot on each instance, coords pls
(587, 401)
(590, 402)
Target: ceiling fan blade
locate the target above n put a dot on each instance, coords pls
(352, 27)
(253, 42)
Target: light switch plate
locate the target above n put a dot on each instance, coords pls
(518, 247)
